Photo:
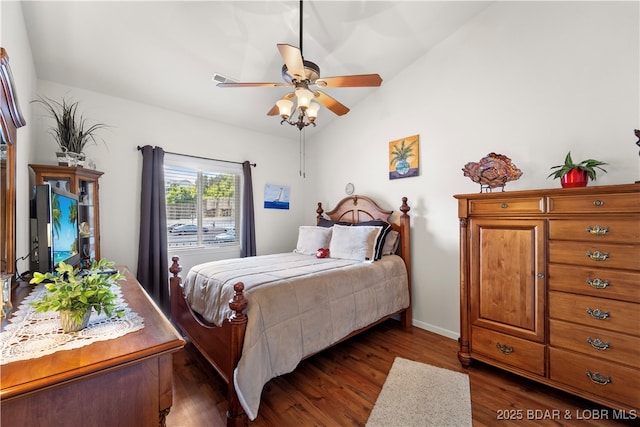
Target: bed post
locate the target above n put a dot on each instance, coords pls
(174, 286)
(405, 253)
(319, 211)
(236, 417)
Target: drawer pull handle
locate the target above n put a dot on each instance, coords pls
(597, 230)
(597, 255)
(598, 378)
(597, 313)
(504, 206)
(598, 344)
(598, 283)
(505, 349)
(598, 203)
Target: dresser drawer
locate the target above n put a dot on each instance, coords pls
(602, 313)
(594, 342)
(603, 229)
(512, 351)
(594, 203)
(599, 282)
(608, 380)
(601, 255)
(507, 206)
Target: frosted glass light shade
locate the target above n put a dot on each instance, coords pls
(284, 107)
(312, 111)
(304, 97)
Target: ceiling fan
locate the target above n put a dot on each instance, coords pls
(304, 76)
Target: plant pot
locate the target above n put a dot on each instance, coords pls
(70, 324)
(574, 178)
(68, 158)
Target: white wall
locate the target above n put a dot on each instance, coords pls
(13, 38)
(133, 124)
(530, 80)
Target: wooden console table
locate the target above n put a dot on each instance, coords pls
(127, 381)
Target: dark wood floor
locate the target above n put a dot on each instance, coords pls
(339, 387)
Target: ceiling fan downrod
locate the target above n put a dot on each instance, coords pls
(301, 30)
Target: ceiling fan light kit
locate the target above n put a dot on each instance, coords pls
(301, 74)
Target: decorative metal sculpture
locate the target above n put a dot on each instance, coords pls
(492, 171)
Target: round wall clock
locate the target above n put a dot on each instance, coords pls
(349, 188)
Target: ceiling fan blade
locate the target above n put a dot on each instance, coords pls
(360, 80)
(293, 60)
(236, 84)
(275, 110)
(330, 103)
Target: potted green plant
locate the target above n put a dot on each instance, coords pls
(74, 295)
(576, 174)
(71, 131)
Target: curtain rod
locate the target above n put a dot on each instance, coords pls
(203, 158)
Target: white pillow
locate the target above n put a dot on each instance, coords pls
(312, 238)
(354, 242)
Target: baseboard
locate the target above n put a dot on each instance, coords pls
(436, 330)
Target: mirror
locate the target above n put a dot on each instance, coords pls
(11, 119)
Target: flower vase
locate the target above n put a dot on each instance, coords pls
(574, 178)
(69, 323)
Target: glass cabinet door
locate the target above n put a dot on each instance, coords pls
(87, 222)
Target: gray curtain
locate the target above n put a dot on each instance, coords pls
(153, 265)
(248, 235)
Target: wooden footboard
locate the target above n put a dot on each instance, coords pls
(221, 346)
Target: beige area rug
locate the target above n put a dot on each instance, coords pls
(416, 394)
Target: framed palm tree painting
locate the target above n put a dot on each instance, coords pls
(404, 159)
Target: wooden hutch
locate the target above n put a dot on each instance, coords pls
(84, 183)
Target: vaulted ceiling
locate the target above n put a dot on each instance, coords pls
(165, 53)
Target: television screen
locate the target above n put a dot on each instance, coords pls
(54, 228)
(64, 226)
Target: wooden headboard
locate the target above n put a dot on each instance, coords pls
(357, 209)
(354, 209)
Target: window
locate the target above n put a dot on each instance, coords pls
(203, 201)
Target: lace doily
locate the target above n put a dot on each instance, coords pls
(29, 335)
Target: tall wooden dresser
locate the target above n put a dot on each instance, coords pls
(550, 288)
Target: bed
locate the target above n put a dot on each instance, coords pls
(256, 318)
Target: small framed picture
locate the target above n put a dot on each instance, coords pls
(404, 157)
(276, 196)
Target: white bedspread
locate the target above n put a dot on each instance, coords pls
(298, 305)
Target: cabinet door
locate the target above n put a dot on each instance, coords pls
(507, 276)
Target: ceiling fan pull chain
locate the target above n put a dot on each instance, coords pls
(302, 154)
